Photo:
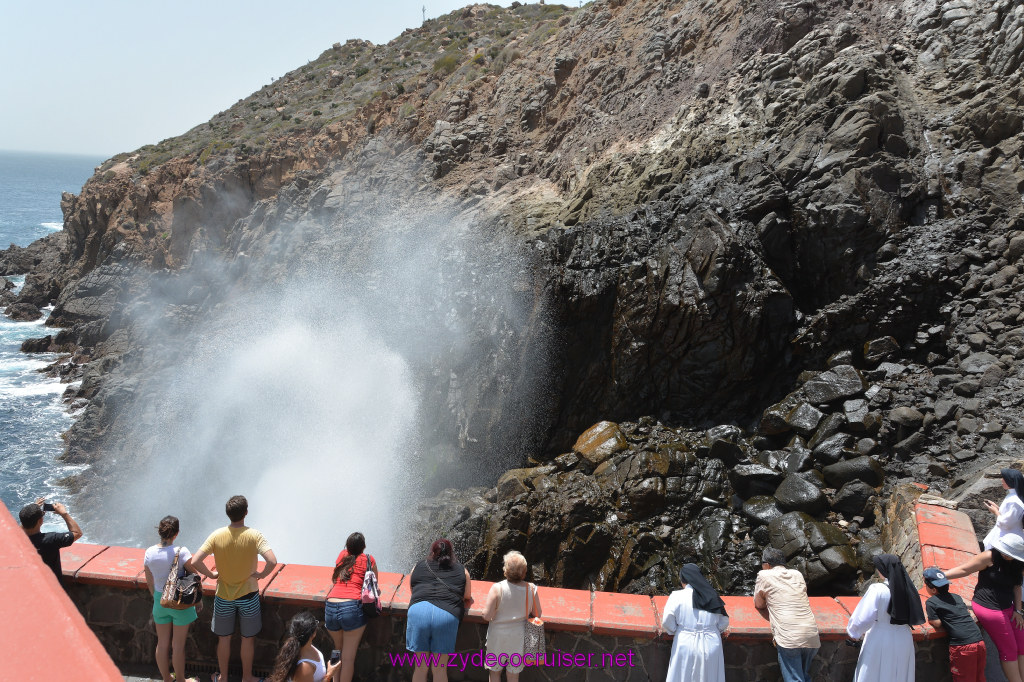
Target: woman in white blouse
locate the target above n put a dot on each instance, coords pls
(696, 616)
(884, 617)
(1010, 512)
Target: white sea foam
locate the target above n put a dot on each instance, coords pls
(32, 389)
(53, 226)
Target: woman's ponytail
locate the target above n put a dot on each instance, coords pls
(300, 629)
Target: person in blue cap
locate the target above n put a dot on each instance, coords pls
(966, 645)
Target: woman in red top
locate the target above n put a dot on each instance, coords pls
(343, 612)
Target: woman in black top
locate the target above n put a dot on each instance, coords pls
(997, 599)
(440, 589)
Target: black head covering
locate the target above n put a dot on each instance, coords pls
(904, 601)
(1014, 479)
(704, 596)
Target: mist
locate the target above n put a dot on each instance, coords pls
(327, 387)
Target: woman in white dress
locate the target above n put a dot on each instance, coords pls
(505, 612)
(696, 616)
(883, 618)
(1010, 512)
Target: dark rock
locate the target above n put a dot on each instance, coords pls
(853, 499)
(774, 459)
(843, 357)
(1015, 249)
(799, 459)
(796, 493)
(726, 450)
(564, 64)
(762, 509)
(513, 483)
(887, 252)
(646, 497)
(774, 419)
(869, 424)
(787, 532)
(865, 446)
(804, 419)
(967, 387)
(567, 461)
(866, 469)
(989, 429)
(884, 348)
(817, 573)
(23, 312)
(906, 416)
(967, 425)
(839, 382)
(814, 477)
(977, 363)
(992, 377)
(964, 455)
(831, 449)
(971, 405)
(39, 345)
(821, 535)
(944, 409)
(761, 535)
(841, 561)
(855, 412)
(829, 426)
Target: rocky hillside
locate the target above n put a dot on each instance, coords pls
(779, 243)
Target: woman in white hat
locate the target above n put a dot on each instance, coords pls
(997, 599)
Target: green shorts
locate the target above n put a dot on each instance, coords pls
(162, 615)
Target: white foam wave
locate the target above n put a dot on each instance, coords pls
(53, 226)
(33, 389)
(7, 324)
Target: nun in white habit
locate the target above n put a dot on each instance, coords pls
(696, 616)
(884, 617)
(1010, 512)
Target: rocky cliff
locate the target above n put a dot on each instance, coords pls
(778, 242)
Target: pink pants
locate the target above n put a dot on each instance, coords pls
(999, 626)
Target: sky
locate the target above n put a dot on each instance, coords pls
(109, 76)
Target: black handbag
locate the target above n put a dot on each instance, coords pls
(181, 593)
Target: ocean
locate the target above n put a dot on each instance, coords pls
(32, 414)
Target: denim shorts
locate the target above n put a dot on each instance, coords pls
(344, 615)
(429, 628)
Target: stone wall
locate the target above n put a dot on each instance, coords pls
(899, 531)
(108, 586)
(120, 618)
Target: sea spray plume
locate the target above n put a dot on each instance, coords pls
(326, 384)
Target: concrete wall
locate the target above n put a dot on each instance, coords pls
(108, 585)
(42, 634)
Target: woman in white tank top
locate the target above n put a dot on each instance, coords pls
(299, 660)
(505, 611)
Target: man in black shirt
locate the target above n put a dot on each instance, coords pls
(48, 544)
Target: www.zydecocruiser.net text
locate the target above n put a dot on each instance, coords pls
(480, 659)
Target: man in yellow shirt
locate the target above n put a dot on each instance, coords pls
(236, 549)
